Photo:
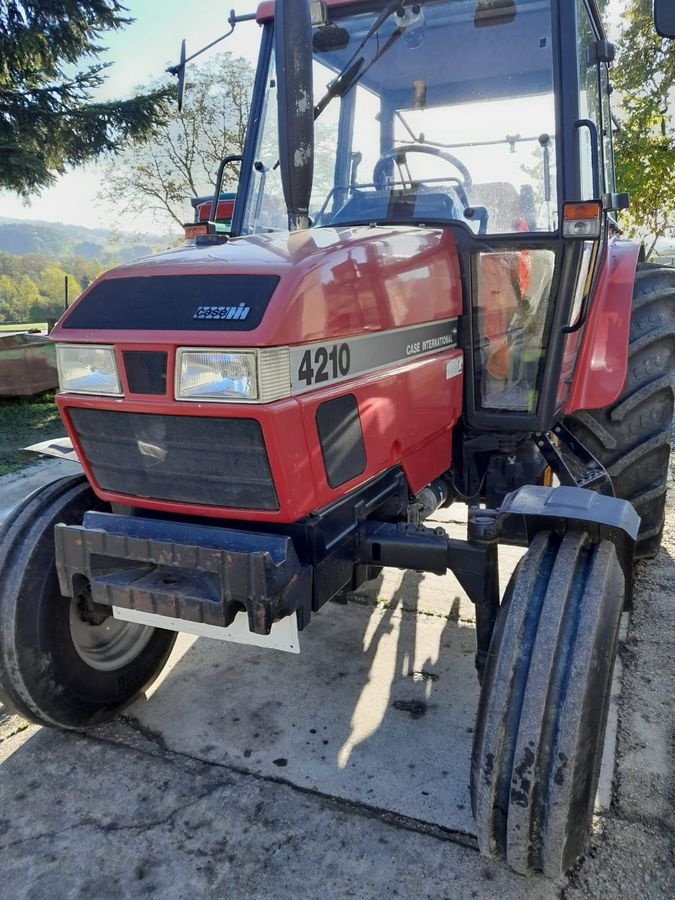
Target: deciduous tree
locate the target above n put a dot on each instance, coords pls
(182, 160)
(644, 76)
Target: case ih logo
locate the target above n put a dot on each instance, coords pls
(223, 312)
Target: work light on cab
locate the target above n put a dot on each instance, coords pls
(582, 220)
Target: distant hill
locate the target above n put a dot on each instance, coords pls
(58, 241)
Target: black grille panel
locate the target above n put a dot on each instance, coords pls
(186, 459)
(174, 303)
(146, 371)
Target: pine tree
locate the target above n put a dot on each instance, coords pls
(48, 117)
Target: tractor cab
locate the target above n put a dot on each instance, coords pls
(490, 120)
(430, 113)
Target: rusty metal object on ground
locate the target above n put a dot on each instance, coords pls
(27, 364)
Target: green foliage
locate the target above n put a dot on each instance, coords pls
(32, 286)
(182, 159)
(48, 119)
(644, 76)
(88, 245)
(32, 283)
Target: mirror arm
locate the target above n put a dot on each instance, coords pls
(179, 68)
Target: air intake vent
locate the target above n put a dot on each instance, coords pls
(146, 371)
(186, 459)
(174, 303)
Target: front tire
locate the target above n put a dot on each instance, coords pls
(543, 708)
(632, 437)
(62, 662)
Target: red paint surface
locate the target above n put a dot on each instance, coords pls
(406, 416)
(333, 284)
(265, 11)
(602, 363)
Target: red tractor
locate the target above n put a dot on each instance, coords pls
(424, 300)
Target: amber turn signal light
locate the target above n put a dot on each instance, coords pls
(193, 230)
(582, 220)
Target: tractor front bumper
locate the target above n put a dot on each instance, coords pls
(195, 573)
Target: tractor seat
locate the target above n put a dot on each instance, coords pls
(391, 205)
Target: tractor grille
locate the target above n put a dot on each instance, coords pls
(187, 459)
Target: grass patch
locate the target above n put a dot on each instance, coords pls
(42, 326)
(25, 422)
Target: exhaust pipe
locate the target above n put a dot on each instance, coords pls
(293, 53)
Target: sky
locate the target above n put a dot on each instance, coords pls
(140, 53)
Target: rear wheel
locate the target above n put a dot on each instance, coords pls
(632, 437)
(543, 708)
(64, 661)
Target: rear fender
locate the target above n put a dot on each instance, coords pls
(602, 363)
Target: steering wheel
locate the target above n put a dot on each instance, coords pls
(395, 153)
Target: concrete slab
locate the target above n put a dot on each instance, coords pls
(82, 818)
(371, 724)
(378, 708)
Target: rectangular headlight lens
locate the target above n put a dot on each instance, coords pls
(86, 369)
(216, 375)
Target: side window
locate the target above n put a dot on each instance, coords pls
(589, 101)
(326, 132)
(266, 209)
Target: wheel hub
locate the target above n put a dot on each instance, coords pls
(103, 642)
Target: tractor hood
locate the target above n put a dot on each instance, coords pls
(273, 290)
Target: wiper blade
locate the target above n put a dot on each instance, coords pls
(340, 85)
(351, 72)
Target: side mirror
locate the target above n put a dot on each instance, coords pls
(181, 77)
(664, 18)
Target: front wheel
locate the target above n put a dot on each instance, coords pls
(64, 662)
(543, 707)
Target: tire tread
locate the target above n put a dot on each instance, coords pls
(632, 437)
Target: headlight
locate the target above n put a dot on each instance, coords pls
(86, 369)
(252, 376)
(216, 375)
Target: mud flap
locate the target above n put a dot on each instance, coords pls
(566, 508)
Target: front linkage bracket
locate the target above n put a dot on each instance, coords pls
(474, 562)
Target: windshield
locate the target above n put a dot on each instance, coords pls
(445, 113)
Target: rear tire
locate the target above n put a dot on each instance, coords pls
(59, 666)
(543, 707)
(632, 437)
